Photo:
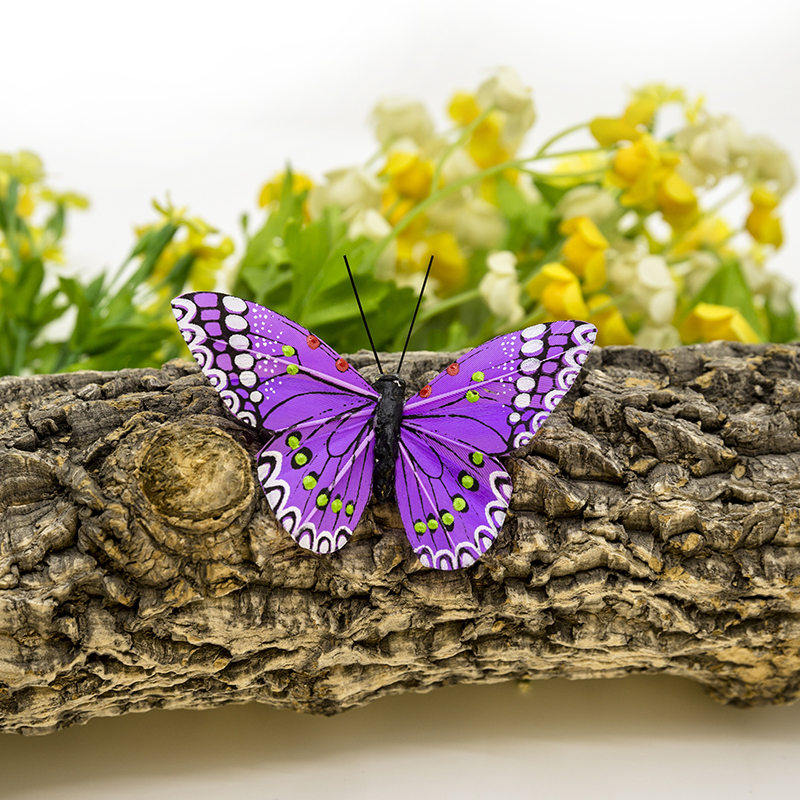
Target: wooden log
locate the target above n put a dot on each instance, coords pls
(654, 527)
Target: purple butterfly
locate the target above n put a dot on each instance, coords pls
(337, 440)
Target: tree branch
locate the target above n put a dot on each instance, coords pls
(654, 527)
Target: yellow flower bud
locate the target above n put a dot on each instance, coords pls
(484, 144)
(608, 130)
(708, 322)
(558, 290)
(449, 263)
(584, 251)
(273, 189)
(463, 108)
(409, 175)
(761, 223)
(677, 201)
(605, 316)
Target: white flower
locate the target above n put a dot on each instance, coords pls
(480, 224)
(696, 270)
(528, 188)
(716, 147)
(646, 279)
(768, 163)
(773, 288)
(372, 225)
(500, 287)
(459, 164)
(587, 201)
(394, 117)
(658, 337)
(509, 95)
(353, 189)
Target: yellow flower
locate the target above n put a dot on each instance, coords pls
(761, 223)
(449, 263)
(708, 322)
(25, 166)
(409, 175)
(605, 316)
(608, 130)
(659, 94)
(273, 189)
(559, 291)
(677, 201)
(576, 171)
(484, 144)
(207, 258)
(25, 203)
(637, 169)
(584, 251)
(709, 232)
(463, 108)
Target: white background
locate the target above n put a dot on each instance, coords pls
(128, 100)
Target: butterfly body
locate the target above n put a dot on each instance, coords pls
(335, 440)
(387, 421)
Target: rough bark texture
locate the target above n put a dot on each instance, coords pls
(655, 528)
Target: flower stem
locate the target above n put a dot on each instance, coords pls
(553, 139)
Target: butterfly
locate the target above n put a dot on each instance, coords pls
(337, 440)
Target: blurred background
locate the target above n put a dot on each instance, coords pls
(127, 102)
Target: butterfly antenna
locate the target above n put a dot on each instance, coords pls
(358, 300)
(414, 318)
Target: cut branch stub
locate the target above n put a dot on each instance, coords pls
(654, 527)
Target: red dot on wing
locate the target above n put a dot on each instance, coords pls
(342, 365)
(312, 341)
(425, 391)
(453, 368)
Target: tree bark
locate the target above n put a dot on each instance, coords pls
(654, 527)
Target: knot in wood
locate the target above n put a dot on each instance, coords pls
(195, 477)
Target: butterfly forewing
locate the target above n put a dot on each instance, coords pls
(497, 396)
(451, 492)
(270, 372)
(276, 376)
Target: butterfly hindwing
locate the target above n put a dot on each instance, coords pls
(273, 374)
(318, 477)
(452, 501)
(488, 403)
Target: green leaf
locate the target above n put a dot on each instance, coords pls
(550, 192)
(727, 287)
(29, 281)
(55, 224)
(783, 326)
(83, 321)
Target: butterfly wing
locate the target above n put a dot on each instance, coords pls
(270, 372)
(451, 489)
(276, 376)
(318, 479)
